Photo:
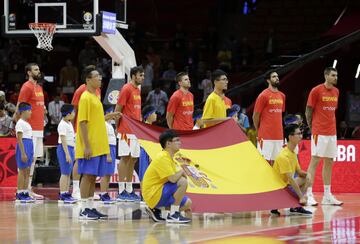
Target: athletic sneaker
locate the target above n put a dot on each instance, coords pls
(330, 200)
(101, 216)
(24, 197)
(124, 197)
(133, 197)
(177, 218)
(36, 196)
(67, 198)
(154, 214)
(275, 212)
(300, 211)
(88, 214)
(311, 200)
(106, 199)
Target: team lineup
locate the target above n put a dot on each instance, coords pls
(93, 135)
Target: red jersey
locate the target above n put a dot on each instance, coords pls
(228, 102)
(33, 94)
(324, 102)
(76, 99)
(182, 106)
(130, 100)
(270, 105)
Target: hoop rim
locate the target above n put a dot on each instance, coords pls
(43, 25)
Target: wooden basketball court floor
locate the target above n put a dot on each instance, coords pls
(51, 222)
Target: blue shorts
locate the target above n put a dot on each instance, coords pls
(65, 167)
(93, 166)
(144, 161)
(29, 151)
(109, 168)
(167, 198)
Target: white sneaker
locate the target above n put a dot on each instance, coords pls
(311, 200)
(330, 200)
(36, 196)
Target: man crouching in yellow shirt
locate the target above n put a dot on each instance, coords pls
(286, 165)
(164, 184)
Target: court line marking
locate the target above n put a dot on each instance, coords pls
(263, 230)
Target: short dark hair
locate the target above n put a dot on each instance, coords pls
(290, 130)
(85, 71)
(180, 75)
(23, 105)
(28, 67)
(166, 136)
(147, 109)
(217, 74)
(268, 73)
(135, 70)
(328, 70)
(66, 109)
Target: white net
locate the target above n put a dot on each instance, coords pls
(44, 33)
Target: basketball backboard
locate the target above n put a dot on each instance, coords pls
(72, 17)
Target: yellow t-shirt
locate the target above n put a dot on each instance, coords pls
(214, 107)
(91, 110)
(156, 176)
(286, 162)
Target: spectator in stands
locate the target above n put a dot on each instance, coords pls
(344, 132)
(63, 96)
(155, 60)
(15, 94)
(147, 86)
(55, 110)
(246, 53)
(166, 54)
(180, 38)
(69, 74)
(87, 56)
(9, 107)
(270, 44)
(224, 58)
(158, 99)
(5, 121)
(170, 73)
(206, 85)
(356, 133)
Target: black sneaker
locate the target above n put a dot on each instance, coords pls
(101, 216)
(300, 211)
(177, 218)
(275, 212)
(154, 214)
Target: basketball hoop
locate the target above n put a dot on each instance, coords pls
(44, 33)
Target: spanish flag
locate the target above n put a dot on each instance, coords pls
(225, 171)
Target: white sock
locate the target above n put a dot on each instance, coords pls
(76, 185)
(91, 202)
(102, 193)
(121, 187)
(30, 180)
(84, 203)
(309, 191)
(327, 190)
(129, 187)
(174, 208)
(20, 191)
(62, 192)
